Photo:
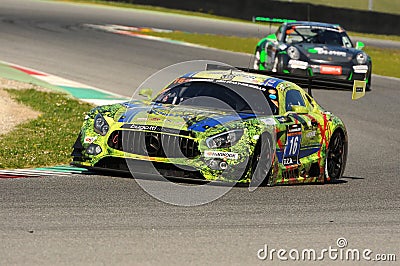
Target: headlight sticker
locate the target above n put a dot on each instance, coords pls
(89, 139)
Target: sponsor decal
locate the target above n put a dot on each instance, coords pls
(330, 70)
(269, 121)
(181, 80)
(360, 69)
(142, 127)
(141, 119)
(272, 82)
(283, 119)
(311, 134)
(298, 64)
(221, 154)
(89, 140)
(241, 84)
(316, 27)
(320, 50)
(153, 128)
(229, 76)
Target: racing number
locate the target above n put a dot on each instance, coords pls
(293, 142)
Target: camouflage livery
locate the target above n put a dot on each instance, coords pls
(190, 137)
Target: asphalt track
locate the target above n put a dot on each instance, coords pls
(83, 219)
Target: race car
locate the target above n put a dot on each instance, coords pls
(313, 49)
(218, 125)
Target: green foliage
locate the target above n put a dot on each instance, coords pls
(48, 139)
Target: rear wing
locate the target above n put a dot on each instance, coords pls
(308, 82)
(272, 20)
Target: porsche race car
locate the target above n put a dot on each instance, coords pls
(218, 125)
(313, 49)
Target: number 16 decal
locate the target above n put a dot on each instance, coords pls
(292, 148)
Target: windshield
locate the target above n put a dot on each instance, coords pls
(240, 98)
(320, 35)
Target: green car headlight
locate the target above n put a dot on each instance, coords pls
(225, 139)
(293, 53)
(100, 125)
(361, 58)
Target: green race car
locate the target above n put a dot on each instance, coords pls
(218, 125)
(313, 49)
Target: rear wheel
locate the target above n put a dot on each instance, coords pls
(335, 157)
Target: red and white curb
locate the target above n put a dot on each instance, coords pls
(104, 98)
(62, 170)
(23, 173)
(137, 32)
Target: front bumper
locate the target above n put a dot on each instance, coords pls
(111, 154)
(328, 70)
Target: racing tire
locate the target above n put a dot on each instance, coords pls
(336, 156)
(368, 86)
(278, 64)
(257, 56)
(261, 161)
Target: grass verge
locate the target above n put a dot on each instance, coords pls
(47, 140)
(223, 42)
(385, 62)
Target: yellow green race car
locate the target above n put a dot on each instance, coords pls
(218, 125)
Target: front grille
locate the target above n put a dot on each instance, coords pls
(153, 144)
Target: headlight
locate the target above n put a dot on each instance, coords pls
(225, 139)
(93, 149)
(293, 53)
(100, 125)
(361, 58)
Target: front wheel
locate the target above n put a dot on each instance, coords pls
(257, 59)
(368, 87)
(278, 64)
(335, 157)
(262, 161)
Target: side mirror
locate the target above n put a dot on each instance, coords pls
(360, 45)
(358, 89)
(272, 38)
(146, 93)
(299, 109)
